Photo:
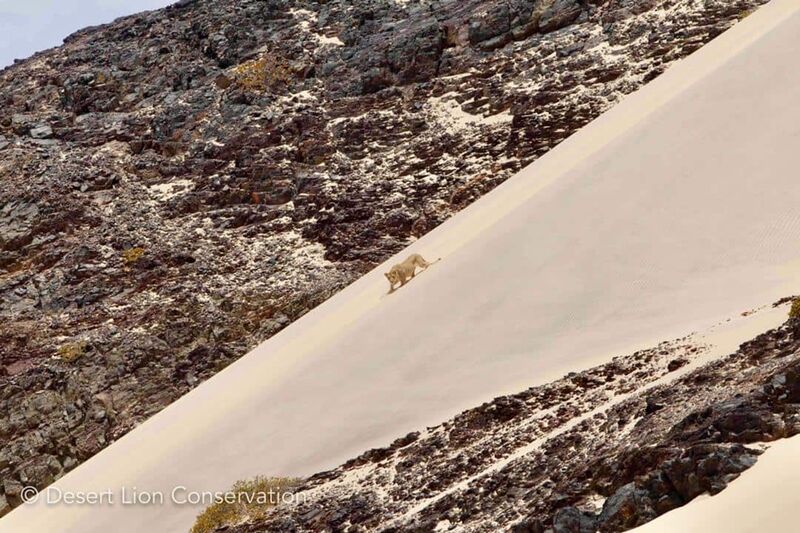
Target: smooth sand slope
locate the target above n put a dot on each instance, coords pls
(764, 499)
(678, 207)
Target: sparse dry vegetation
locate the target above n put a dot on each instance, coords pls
(72, 351)
(131, 255)
(267, 72)
(747, 13)
(253, 498)
(794, 312)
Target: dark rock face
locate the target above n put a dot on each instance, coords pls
(182, 184)
(563, 457)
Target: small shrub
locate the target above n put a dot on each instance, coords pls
(251, 506)
(72, 351)
(746, 13)
(131, 255)
(263, 73)
(794, 312)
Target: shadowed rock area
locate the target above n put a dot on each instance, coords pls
(180, 185)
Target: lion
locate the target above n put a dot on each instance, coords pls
(406, 270)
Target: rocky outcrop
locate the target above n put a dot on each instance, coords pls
(181, 184)
(580, 455)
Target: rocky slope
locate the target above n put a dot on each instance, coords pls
(604, 450)
(179, 185)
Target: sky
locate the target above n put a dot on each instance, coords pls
(27, 26)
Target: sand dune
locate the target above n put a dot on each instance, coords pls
(762, 499)
(674, 209)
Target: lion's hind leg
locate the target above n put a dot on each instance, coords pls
(422, 263)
